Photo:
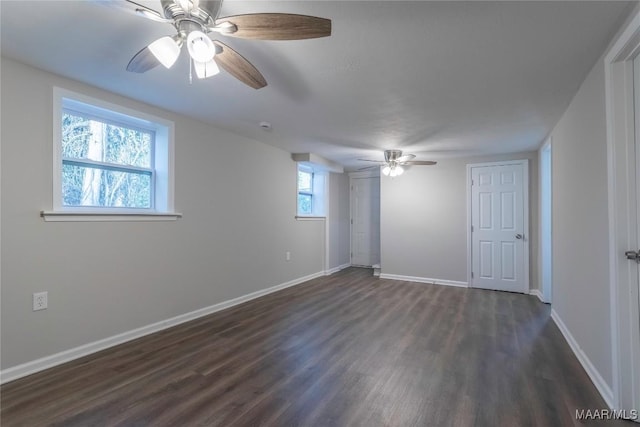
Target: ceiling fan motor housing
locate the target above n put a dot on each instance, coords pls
(205, 14)
(392, 155)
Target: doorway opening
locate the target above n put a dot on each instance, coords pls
(365, 219)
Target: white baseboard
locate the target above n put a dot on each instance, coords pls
(376, 270)
(46, 362)
(602, 386)
(424, 280)
(537, 293)
(336, 269)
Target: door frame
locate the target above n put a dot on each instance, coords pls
(625, 308)
(525, 198)
(375, 173)
(545, 240)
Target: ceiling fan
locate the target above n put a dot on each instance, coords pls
(195, 19)
(394, 160)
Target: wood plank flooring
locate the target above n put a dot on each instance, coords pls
(343, 350)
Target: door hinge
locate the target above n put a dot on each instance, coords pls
(472, 274)
(472, 228)
(472, 182)
(351, 254)
(351, 221)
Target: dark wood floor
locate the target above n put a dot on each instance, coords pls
(345, 350)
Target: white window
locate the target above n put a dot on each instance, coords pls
(110, 160)
(311, 192)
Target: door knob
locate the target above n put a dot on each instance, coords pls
(518, 236)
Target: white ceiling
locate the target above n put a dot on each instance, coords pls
(433, 78)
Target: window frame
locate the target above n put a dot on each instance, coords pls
(318, 192)
(115, 167)
(308, 170)
(162, 160)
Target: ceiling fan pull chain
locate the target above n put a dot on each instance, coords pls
(190, 71)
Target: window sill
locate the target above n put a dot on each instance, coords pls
(62, 216)
(310, 218)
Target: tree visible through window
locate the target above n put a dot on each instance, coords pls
(105, 164)
(305, 191)
(110, 162)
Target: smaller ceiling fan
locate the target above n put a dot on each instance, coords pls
(193, 20)
(394, 160)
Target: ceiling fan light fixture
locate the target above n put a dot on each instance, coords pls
(393, 170)
(200, 47)
(206, 69)
(166, 50)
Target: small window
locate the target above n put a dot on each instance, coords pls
(110, 159)
(106, 164)
(305, 191)
(311, 192)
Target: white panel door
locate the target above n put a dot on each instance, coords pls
(498, 236)
(365, 218)
(636, 339)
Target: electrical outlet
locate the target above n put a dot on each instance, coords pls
(40, 301)
(287, 256)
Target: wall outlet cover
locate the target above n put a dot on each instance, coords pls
(40, 301)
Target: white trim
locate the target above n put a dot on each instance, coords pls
(377, 270)
(163, 172)
(525, 198)
(310, 218)
(68, 216)
(469, 222)
(327, 228)
(334, 270)
(46, 362)
(546, 294)
(424, 280)
(537, 293)
(625, 336)
(602, 386)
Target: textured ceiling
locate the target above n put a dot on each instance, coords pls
(433, 78)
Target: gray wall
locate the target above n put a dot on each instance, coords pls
(339, 227)
(424, 219)
(580, 222)
(104, 278)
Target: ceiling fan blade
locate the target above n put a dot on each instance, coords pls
(142, 61)
(374, 161)
(369, 167)
(277, 26)
(420, 163)
(405, 158)
(134, 8)
(153, 15)
(236, 65)
(142, 10)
